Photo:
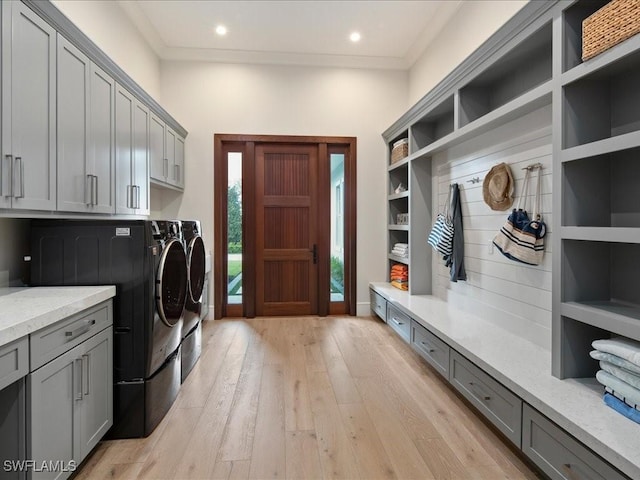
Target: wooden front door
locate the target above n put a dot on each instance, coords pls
(286, 229)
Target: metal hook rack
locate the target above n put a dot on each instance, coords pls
(474, 180)
(533, 166)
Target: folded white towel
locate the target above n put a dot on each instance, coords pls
(622, 347)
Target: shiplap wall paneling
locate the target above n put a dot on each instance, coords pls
(512, 294)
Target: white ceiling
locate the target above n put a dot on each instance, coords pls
(394, 33)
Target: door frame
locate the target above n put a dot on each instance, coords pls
(246, 144)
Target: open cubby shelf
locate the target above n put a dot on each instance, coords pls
(602, 105)
(434, 125)
(602, 191)
(601, 313)
(572, 42)
(398, 259)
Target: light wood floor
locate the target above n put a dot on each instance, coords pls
(306, 398)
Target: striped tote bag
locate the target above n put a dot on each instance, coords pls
(441, 235)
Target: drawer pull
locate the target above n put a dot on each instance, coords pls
(484, 397)
(394, 320)
(80, 330)
(430, 350)
(570, 472)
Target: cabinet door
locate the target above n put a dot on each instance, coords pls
(141, 158)
(74, 180)
(96, 407)
(124, 150)
(53, 392)
(170, 144)
(179, 162)
(29, 107)
(157, 159)
(101, 140)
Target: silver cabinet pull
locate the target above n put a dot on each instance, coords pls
(165, 169)
(21, 171)
(8, 177)
(430, 350)
(393, 319)
(80, 330)
(175, 172)
(95, 190)
(129, 196)
(79, 370)
(137, 196)
(89, 201)
(179, 174)
(85, 375)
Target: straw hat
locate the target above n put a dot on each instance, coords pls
(497, 189)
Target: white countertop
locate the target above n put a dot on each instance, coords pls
(574, 404)
(25, 310)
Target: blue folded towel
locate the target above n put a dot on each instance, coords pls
(617, 361)
(621, 407)
(621, 398)
(621, 347)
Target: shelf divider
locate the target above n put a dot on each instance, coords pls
(619, 318)
(601, 234)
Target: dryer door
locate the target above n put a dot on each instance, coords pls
(196, 265)
(171, 283)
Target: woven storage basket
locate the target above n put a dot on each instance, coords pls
(400, 150)
(612, 24)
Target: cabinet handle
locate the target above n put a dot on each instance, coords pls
(21, 171)
(175, 172)
(10, 176)
(179, 174)
(393, 319)
(95, 189)
(572, 473)
(85, 375)
(430, 350)
(129, 196)
(484, 397)
(79, 369)
(137, 196)
(165, 168)
(80, 330)
(89, 201)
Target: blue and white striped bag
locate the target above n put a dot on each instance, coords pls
(441, 235)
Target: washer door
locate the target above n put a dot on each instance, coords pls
(196, 265)
(171, 283)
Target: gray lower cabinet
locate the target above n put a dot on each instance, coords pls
(431, 348)
(70, 397)
(378, 305)
(14, 366)
(558, 454)
(501, 406)
(28, 168)
(398, 321)
(132, 154)
(85, 133)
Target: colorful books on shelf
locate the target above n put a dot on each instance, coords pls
(399, 276)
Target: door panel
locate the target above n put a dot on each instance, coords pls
(141, 158)
(124, 150)
(286, 232)
(157, 157)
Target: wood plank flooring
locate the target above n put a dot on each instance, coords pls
(311, 398)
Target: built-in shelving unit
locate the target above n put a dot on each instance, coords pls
(598, 146)
(534, 62)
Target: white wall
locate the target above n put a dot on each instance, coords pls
(106, 24)
(281, 100)
(472, 24)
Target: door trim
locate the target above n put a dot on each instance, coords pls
(224, 143)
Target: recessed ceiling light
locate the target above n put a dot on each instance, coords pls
(355, 37)
(221, 30)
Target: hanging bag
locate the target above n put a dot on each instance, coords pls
(522, 239)
(441, 236)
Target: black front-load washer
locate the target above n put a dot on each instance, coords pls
(146, 262)
(196, 266)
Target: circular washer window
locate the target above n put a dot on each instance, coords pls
(171, 283)
(196, 266)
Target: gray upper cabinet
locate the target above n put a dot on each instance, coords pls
(166, 154)
(75, 183)
(28, 110)
(86, 159)
(158, 162)
(101, 155)
(132, 154)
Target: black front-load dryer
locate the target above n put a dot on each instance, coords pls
(196, 266)
(146, 262)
